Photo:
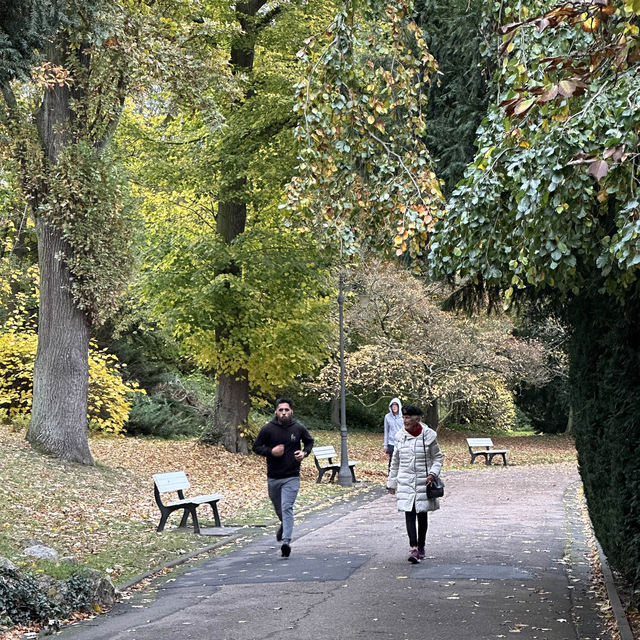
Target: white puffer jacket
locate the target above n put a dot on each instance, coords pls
(409, 469)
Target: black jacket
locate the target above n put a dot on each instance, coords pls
(272, 434)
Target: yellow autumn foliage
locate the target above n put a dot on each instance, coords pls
(109, 395)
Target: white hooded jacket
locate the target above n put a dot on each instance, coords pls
(414, 458)
(392, 424)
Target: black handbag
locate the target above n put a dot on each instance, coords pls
(435, 489)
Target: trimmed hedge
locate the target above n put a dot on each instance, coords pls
(605, 394)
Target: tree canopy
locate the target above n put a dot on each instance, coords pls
(551, 196)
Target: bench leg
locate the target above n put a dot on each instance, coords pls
(353, 473)
(185, 515)
(163, 521)
(504, 458)
(480, 453)
(216, 516)
(320, 474)
(333, 475)
(196, 524)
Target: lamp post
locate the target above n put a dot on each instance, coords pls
(344, 475)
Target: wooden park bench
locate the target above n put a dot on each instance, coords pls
(324, 457)
(177, 481)
(484, 447)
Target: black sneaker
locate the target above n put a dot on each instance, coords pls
(279, 534)
(414, 556)
(286, 550)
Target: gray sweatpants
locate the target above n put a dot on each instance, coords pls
(283, 493)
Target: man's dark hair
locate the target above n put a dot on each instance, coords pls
(411, 410)
(283, 400)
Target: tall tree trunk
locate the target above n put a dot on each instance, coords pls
(233, 412)
(431, 414)
(569, 430)
(61, 372)
(233, 403)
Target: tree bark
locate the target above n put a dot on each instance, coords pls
(233, 402)
(569, 430)
(431, 414)
(231, 412)
(61, 371)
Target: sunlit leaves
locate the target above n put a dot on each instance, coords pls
(364, 169)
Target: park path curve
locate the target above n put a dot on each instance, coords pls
(506, 554)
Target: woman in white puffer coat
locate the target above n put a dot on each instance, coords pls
(416, 462)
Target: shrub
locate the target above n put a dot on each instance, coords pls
(488, 404)
(25, 599)
(109, 396)
(178, 407)
(21, 599)
(161, 417)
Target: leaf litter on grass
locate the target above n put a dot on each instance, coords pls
(106, 515)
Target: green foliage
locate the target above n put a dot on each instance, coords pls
(549, 207)
(109, 396)
(365, 173)
(159, 417)
(605, 372)
(550, 197)
(175, 408)
(84, 202)
(97, 55)
(25, 27)
(18, 252)
(273, 305)
(399, 342)
(490, 407)
(460, 35)
(546, 407)
(256, 421)
(363, 418)
(22, 601)
(257, 304)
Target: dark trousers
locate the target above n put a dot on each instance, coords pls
(416, 539)
(390, 448)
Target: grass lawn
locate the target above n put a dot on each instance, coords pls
(106, 516)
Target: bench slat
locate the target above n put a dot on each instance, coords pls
(480, 442)
(325, 452)
(171, 481)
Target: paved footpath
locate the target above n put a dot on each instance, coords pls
(506, 554)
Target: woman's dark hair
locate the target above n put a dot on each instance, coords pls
(411, 410)
(282, 401)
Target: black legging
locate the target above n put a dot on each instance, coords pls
(423, 523)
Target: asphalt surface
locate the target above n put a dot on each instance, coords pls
(506, 554)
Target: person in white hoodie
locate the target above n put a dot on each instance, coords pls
(416, 462)
(392, 424)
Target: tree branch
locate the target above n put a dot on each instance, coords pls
(264, 20)
(9, 96)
